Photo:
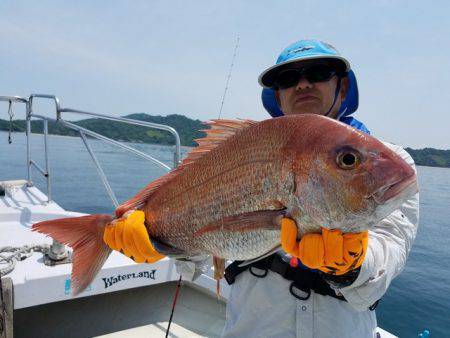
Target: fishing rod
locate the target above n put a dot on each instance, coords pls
(173, 306)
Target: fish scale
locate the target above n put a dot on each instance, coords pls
(244, 193)
(229, 182)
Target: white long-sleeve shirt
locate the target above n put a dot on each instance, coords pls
(264, 307)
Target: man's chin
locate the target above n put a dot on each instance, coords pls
(306, 108)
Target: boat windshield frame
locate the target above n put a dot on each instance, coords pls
(83, 132)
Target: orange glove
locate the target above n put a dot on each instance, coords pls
(129, 235)
(331, 252)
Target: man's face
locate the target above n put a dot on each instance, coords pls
(307, 97)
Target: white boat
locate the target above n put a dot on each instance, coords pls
(125, 299)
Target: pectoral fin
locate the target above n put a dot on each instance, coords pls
(265, 219)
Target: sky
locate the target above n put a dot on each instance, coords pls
(166, 57)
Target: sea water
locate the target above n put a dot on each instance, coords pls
(418, 299)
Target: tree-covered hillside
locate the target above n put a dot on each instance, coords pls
(188, 130)
(430, 157)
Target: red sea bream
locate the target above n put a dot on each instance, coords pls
(227, 197)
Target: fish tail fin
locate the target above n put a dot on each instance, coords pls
(85, 236)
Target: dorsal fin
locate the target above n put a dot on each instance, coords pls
(219, 131)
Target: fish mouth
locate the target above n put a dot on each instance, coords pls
(391, 190)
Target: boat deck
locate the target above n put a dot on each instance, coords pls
(138, 312)
(125, 299)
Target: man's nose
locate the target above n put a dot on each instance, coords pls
(303, 84)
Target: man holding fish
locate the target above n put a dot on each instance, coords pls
(310, 77)
(346, 203)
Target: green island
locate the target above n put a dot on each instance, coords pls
(188, 130)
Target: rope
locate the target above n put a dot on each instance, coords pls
(173, 306)
(18, 254)
(11, 115)
(229, 76)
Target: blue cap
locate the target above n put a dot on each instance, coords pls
(305, 51)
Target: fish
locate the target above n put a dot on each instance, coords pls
(228, 196)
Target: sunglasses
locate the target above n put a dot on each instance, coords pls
(291, 76)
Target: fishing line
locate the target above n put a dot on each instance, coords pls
(229, 76)
(173, 305)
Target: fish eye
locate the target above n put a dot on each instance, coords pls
(348, 159)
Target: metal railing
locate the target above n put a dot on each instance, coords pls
(57, 250)
(83, 132)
